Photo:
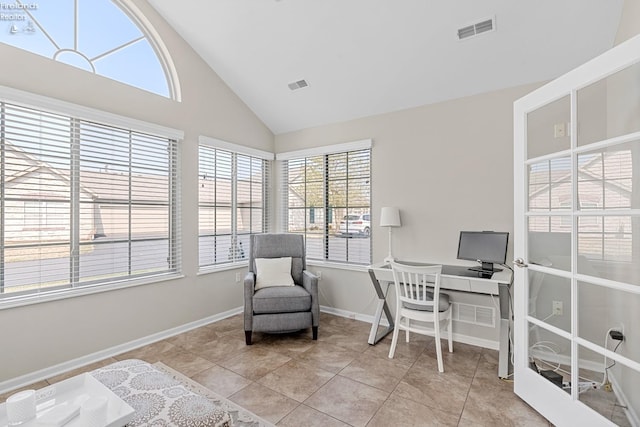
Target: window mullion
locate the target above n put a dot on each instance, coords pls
(251, 207)
(75, 25)
(346, 200)
(604, 204)
(234, 206)
(74, 261)
(284, 217)
(173, 206)
(215, 206)
(327, 208)
(130, 206)
(2, 193)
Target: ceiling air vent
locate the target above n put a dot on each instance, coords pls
(475, 29)
(298, 85)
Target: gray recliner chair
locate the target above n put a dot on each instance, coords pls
(280, 308)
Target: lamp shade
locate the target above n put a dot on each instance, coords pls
(390, 217)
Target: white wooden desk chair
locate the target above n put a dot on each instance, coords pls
(418, 298)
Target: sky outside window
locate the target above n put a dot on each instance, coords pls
(94, 35)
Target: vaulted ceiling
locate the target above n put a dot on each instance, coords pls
(366, 57)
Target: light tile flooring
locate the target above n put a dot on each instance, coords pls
(340, 380)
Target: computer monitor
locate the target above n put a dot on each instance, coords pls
(485, 247)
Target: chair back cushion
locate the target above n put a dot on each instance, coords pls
(278, 246)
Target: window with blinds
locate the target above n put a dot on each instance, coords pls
(327, 198)
(83, 203)
(232, 202)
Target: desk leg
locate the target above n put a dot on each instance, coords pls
(504, 357)
(382, 307)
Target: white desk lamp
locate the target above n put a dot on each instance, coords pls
(390, 217)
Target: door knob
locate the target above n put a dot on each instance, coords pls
(519, 262)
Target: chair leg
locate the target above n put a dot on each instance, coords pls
(394, 339)
(450, 331)
(407, 331)
(438, 346)
(314, 331)
(247, 337)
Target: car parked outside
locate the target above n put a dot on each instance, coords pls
(356, 225)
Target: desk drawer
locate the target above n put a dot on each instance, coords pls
(484, 287)
(455, 283)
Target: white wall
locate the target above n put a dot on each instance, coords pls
(629, 21)
(39, 336)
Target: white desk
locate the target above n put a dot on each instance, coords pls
(456, 278)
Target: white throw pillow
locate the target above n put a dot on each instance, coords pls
(273, 272)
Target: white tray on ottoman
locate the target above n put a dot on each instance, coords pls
(75, 390)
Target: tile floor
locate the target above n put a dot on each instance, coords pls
(340, 380)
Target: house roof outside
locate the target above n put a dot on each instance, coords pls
(112, 186)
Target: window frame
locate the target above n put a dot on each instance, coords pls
(347, 149)
(239, 255)
(137, 19)
(77, 113)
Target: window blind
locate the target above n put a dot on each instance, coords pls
(327, 198)
(232, 203)
(83, 203)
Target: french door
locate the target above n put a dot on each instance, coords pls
(577, 243)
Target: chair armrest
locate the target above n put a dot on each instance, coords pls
(249, 289)
(310, 283)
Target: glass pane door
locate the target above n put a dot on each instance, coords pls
(577, 231)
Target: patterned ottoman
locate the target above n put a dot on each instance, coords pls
(158, 399)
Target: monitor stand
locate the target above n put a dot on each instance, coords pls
(486, 268)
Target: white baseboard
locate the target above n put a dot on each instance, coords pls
(564, 359)
(465, 339)
(631, 413)
(52, 371)
(79, 362)
(351, 315)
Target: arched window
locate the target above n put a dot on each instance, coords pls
(109, 38)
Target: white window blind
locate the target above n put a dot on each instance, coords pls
(232, 204)
(327, 198)
(83, 203)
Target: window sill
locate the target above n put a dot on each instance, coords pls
(337, 265)
(223, 267)
(19, 301)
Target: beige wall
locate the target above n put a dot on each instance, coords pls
(41, 335)
(629, 21)
(447, 166)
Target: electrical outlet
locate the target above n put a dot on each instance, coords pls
(556, 308)
(616, 335)
(559, 130)
(238, 277)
